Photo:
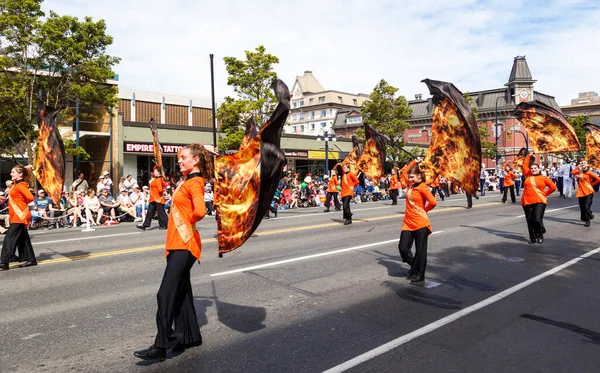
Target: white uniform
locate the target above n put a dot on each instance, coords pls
(565, 171)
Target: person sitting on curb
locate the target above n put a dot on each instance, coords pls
(108, 203)
(4, 213)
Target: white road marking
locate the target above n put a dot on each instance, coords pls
(562, 208)
(453, 317)
(272, 264)
(82, 238)
(30, 336)
(330, 212)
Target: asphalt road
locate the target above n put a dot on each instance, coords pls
(307, 294)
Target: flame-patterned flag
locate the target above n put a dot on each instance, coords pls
(353, 157)
(455, 149)
(592, 145)
(549, 131)
(520, 159)
(50, 161)
(156, 146)
(245, 182)
(373, 156)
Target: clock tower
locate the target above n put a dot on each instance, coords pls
(520, 82)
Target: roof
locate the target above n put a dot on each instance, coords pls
(520, 71)
(342, 115)
(308, 83)
(546, 99)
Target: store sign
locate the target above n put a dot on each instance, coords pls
(144, 147)
(319, 154)
(296, 153)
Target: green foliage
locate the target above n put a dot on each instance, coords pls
(387, 114)
(251, 79)
(488, 149)
(577, 123)
(62, 56)
(75, 151)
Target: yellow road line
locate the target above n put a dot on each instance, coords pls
(266, 233)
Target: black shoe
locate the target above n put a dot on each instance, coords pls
(587, 224)
(327, 210)
(162, 228)
(180, 347)
(338, 210)
(4, 267)
(28, 264)
(140, 226)
(503, 201)
(151, 353)
(531, 240)
(469, 207)
(348, 221)
(417, 279)
(592, 217)
(540, 239)
(409, 275)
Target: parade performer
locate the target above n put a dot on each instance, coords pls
(182, 249)
(394, 186)
(20, 216)
(416, 227)
(509, 183)
(536, 189)
(349, 182)
(332, 192)
(585, 190)
(156, 201)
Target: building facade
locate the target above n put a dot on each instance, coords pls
(314, 109)
(586, 104)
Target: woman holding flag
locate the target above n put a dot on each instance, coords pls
(536, 189)
(585, 190)
(182, 250)
(416, 227)
(20, 216)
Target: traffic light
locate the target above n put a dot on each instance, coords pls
(508, 133)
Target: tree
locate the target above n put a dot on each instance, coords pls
(488, 149)
(251, 79)
(387, 114)
(578, 123)
(60, 56)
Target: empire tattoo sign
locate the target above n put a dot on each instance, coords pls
(146, 147)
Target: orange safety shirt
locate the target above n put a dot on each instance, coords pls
(419, 201)
(187, 208)
(156, 191)
(19, 198)
(349, 182)
(535, 188)
(332, 185)
(586, 182)
(509, 178)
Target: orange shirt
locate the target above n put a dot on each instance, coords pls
(534, 187)
(585, 184)
(394, 182)
(415, 215)
(19, 197)
(349, 182)
(332, 185)
(187, 208)
(509, 178)
(156, 191)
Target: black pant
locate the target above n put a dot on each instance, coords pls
(418, 262)
(162, 215)
(346, 206)
(512, 193)
(482, 187)
(559, 185)
(534, 214)
(328, 198)
(176, 303)
(394, 196)
(469, 200)
(17, 237)
(585, 205)
(209, 207)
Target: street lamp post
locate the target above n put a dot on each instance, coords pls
(497, 154)
(326, 137)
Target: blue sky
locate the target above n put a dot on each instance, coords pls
(351, 44)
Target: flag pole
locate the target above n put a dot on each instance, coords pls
(212, 89)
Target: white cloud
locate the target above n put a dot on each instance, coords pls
(350, 45)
